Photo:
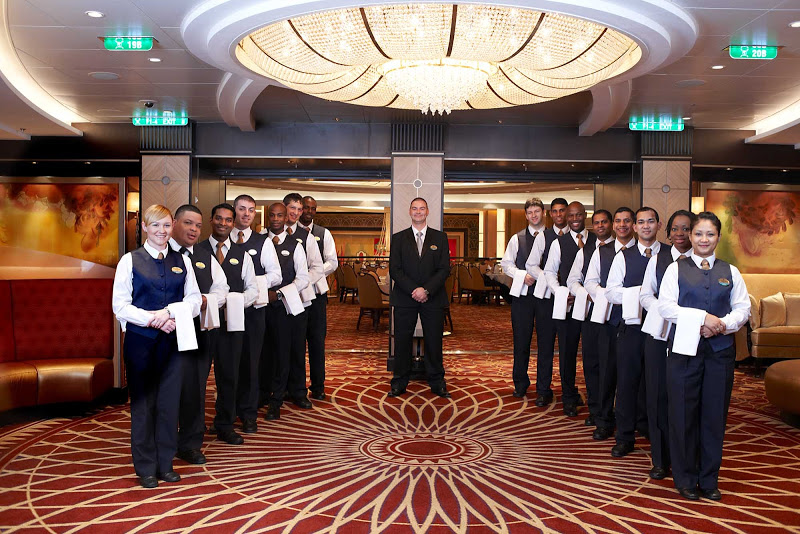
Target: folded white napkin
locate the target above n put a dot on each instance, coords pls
(542, 289)
(184, 325)
(234, 312)
(518, 287)
(601, 311)
(291, 300)
(263, 292)
(308, 294)
(687, 332)
(655, 325)
(322, 286)
(209, 318)
(631, 307)
(560, 303)
(581, 306)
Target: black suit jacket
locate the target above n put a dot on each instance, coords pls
(410, 271)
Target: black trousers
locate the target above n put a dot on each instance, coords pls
(630, 380)
(699, 395)
(545, 345)
(590, 334)
(315, 336)
(153, 367)
(607, 375)
(405, 320)
(255, 325)
(196, 367)
(287, 353)
(569, 336)
(226, 374)
(655, 369)
(523, 312)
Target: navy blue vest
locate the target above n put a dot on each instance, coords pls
(253, 247)
(300, 235)
(569, 249)
(524, 245)
(607, 253)
(549, 236)
(156, 283)
(319, 235)
(232, 266)
(201, 263)
(285, 252)
(587, 256)
(662, 262)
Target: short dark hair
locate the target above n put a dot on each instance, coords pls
(680, 213)
(309, 197)
(603, 212)
(623, 209)
(534, 202)
(643, 209)
(558, 200)
(241, 197)
(708, 216)
(188, 207)
(224, 206)
(418, 198)
(292, 197)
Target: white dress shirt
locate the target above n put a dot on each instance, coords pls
(668, 296)
(268, 257)
(575, 277)
(301, 276)
(248, 271)
(509, 261)
(219, 282)
(315, 265)
(647, 297)
(122, 292)
(537, 251)
(554, 259)
(618, 271)
(330, 260)
(592, 282)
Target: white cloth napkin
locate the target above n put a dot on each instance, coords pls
(234, 312)
(184, 325)
(322, 286)
(631, 307)
(560, 303)
(601, 311)
(518, 287)
(542, 289)
(581, 306)
(655, 325)
(209, 318)
(263, 292)
(308, 294)
(687, 332)
(291, 299)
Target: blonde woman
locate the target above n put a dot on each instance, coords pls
(146, 282)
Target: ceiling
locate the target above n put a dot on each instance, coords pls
(58, 46)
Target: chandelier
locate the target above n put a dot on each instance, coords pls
(438, 57)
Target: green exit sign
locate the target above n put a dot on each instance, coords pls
(119, 43)
(661, 125)
(753, 52)
(159, 120)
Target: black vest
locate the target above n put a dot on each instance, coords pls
(253, 247)
(525, 244)
(662, 262)
(569, 249)
(607, 254)
(319, 235)
(232, 266)
(201, 263)
(587, 256)
(285, 252)
(549, 236)
(156, 283)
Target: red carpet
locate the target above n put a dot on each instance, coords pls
(360, 462)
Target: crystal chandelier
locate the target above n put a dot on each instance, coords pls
(438, 57)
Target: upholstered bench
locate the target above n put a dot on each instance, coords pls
(782, 384)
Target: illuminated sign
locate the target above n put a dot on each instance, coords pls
(662, 124)
(160, 120)
(120, 43)
(753, 52)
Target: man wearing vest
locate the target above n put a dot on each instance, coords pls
(545, 325)
(590, 331)
(239, 272)
(212, 281)
(523, 307)
(287, 332)
(627, 271)
(596, 280)
(317, 312)
(556, 271)
(265, 263)
(655, 350)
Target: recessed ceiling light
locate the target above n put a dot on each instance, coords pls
(718, 67)
(87, 162)
(104, 75)
(729, 169)
(95, 14)
(686, 118)
(154, 59)
(795, 24)
(784, 170)
(34, 163)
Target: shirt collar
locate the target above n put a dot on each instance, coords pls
(281, 237)
(154, 252)
(310, 226)
(424, 231)
(618, 245)
(698, 260)
(226, 243)
(583, 232)
(532, 229)
(609, 239)
(292, 226)
(177, 248)
(677, 253)
(654, 248)
(556, 229)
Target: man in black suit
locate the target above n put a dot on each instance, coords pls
(419, 263)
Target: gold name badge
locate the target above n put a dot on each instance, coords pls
(724, 282)
(200, 265)
(252, 252)
(177, 270)
(434, 247)
(284, 252)
(316, 237)
(234, 261)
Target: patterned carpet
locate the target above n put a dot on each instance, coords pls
(360, 462)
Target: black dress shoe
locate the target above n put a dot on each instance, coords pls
(396, 392)
(621, 449)
(302, 402)
(570, 410)
(318, 395)
(644, 432)
(518, 394)
(658, 473)
(273, 413)
(602, 433)
(192, 456)
(589, 421)
(712, 494)
(442, 392)
(148, 482)
(249, 426)
(231, 437)
(543, 400)
(212, 430)
(689, 493)
(169, 476)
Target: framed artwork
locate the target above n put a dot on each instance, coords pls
(760, 230)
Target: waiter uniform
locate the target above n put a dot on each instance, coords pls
(148, 280)
(197, 364)
(523, 307)
(699, 387)
(419, 258)
(556, 271)
(239, 272)
(627, 270)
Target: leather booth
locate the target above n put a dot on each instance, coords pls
(57, 341)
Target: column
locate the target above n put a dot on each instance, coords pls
(165, 180)
(666, 188)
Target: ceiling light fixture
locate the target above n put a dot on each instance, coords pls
(95, 14)
(104, 75)
(718, 67)
(686, 118)
(154, 59)
(438, 57)
(795, 24)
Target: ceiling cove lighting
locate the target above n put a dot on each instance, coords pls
(95, 14)
(438, 57)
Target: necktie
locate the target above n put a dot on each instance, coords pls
(241, 238)
(580, 240)
(185, 250)
(161, 256)
(220, 255)
(705, 265)
(623, 247)
(276, 240)
(419, 243)
(648, 252)
(560, 233)
(681, 257)
(536, 233)
(289, 231)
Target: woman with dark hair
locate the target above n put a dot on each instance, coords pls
(699, 386)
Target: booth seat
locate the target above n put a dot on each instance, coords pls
(56, 341)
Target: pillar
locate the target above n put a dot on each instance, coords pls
(666, 187)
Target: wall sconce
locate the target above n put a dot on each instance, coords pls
(132, 202)
(698, 204)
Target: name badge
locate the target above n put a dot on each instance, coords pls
(434, 247)
(724, 282)
(200, 265)
(316, 237)
(284, 252)
(234, 261)
(252, 252)
(177, 270)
